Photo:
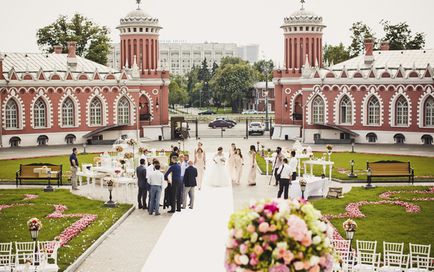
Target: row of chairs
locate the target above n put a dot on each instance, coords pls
(365, 258)
(29, 256)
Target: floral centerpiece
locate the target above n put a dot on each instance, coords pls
(350, 225)
(119, 148)
(142, 149)
(131, 142)
(34, 224)
(279, 236)
(329, 147)
(128, 155)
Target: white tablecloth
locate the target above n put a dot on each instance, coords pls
(314, 187)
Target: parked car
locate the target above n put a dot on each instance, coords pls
(220, 124)
(207, 112)
(256, 128)
(225, 119)
(249, 112)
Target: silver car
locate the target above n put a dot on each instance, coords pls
(256, 128)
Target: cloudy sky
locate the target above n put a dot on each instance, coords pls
(239, 21)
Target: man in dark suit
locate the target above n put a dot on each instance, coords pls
(175, 170)
(143, 185)
(190, 176)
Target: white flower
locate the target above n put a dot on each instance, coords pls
(244, 259)
(326, 242)
(254, 237)
(314, 260)
(321, 225)
(296, 204)
(239, 269)
(316, 240)
(282, 245)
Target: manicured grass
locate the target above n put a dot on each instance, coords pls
(14, 219)
(423, 166)
(388, 223)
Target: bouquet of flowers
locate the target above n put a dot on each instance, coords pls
(142, 149)
(122, 161)
(350, 225)
(279, 236)
(119, 148)
(329, 147)
(129, 155)
(109, 182)
(131, 142)
(34, 224)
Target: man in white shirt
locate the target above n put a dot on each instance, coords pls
(184, 164)
(287, 173)
(156, 181)
(278, 161)
(151, 168)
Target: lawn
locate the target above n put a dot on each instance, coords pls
(385, 222)
(14, 219)
(422, 165)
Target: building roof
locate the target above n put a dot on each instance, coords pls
(302, 17)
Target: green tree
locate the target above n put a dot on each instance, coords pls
(336, 53)
(177, 92)
(204, 77)
(215, 66)
(92, 39)
(262, 66)
(231, 60)
(359, 31)
(400, 36)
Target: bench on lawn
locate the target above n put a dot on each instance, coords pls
(39, 171)
(390, 169)
(334, 192)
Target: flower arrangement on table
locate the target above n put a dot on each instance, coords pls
(350, 225)
(119, 148)
(279, 236)
(142, 150)
(131, 142)
(329, 147)
(34, 224)
(129, 155)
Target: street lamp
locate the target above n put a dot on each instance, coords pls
(352, 175)
(302, 187)
(369, 185)
(49, 188)
(352, 147)
(110, 203)
(267, 125)
(84, 149)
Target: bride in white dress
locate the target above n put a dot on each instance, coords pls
(218, 175)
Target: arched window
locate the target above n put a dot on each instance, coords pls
(123, 111)
(68, 113)
(373, 111)
(429, 112)
(401, 111)
(346, 110)
(95, 112)
(15, 141)
(399, 138)
(371, 137)
(11, 114)
(318, 110)
(42, 140)
(427, 139)
(70, 139)
(40, 113)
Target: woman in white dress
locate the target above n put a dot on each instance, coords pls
(199, 163)
(251, 162)
(218, 174)
(231, 162)
(238, 165)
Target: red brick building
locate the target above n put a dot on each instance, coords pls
(382, 96)
(63, 98)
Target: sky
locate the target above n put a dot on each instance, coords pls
(234, 21)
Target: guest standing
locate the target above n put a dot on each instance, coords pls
(285, 174)
(293, 163)
(231, 163)
(74, 167)
(143, 185)
(175, 170)
(175, 153)
(277, 163)
(252, 166)
(184, 158)
(238, 164)
(199, 162)
(156, 180)
(189, 184)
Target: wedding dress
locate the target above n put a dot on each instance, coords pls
(218, 175)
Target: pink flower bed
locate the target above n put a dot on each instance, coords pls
(30, 196)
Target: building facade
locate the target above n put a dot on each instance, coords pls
(65, 99)
(382, 96)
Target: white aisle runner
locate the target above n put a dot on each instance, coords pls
(194, 240)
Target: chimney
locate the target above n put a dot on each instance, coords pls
(1, 67)
(72, 57)
(385, 46)
(58, 49)
(369, 50)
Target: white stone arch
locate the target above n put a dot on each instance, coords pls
(133, 110)
(97, 93)
(421, 103)
(42, 93)
(392, 107)
(364, 110)
(13, 94)
(309, 107)
(292, 103)
(151, 103)
(69, 93)
(337, 112)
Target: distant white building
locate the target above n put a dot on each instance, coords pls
(179, 56)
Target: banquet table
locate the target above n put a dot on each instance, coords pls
(314, 187)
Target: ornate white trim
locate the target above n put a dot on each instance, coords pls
(337, 110)
(309, 107)
(124, 93)
(41, 93)
(104, 114)
(371, 92)
(292, 103)
(13, 94)
(392, 107)
(69, 93)
(421, 103)
(151, 103)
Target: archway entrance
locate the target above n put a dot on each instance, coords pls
(144, 112)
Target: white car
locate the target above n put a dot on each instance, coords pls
(250, 112)
(256, 128)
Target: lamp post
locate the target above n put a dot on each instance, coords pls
(352, 175)
(110, 203)
(352, 147)
(369, 185)
(350, 236)
(49, 188)
(267, 125)
(302, 187)
(84, 149)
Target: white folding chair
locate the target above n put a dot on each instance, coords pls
(342, 250)
(367, 262)
(366, 246)
(25, 256)
(394, 263)
(48, 253)
(418, 250)
(396, 248)
(421, 264)
(5, 256)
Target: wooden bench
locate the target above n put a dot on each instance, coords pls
(334, 192)
(389, 169)
(28, 172)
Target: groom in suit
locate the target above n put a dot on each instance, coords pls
(175, 170)
(190, 176)
(142, 184)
